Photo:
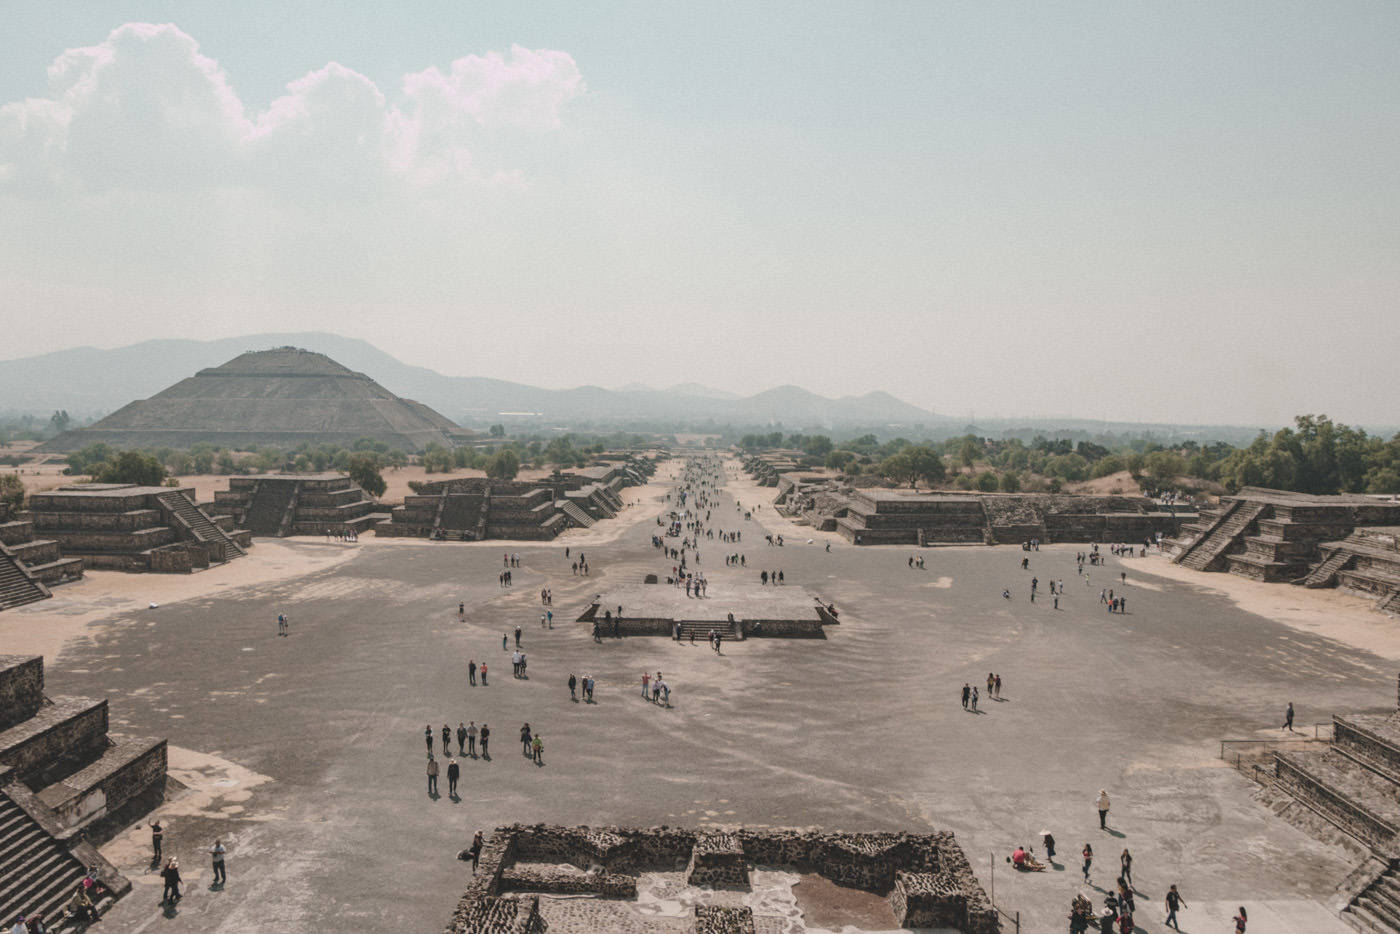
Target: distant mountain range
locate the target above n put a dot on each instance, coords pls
(89, 381)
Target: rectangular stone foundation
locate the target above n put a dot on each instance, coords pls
(713, 919)
(717, 860)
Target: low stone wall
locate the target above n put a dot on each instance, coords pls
(715, 919)
(717, 860)
(782, 629)
(566, 880)
(21, 688)
(1355, 738)
(179, 558)
(1303, 785)
(514, 915)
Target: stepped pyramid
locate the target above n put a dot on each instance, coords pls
(280, 398)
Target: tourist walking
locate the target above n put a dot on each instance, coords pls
(1241, 920)
(1288, 718)
(454, 772)
(428, 736)
(1174, 903)
(281, 624)
(974, 700)
(485, 741)
(525, 738)
(966, 694)
(537, 747)
(157, 837)
(573, 683)
(1049, 840)
(1126, 859)
(216, 853)
(471, 740)
(461, 738)
(171, 876)
(998, 687)
(471, 672)
(1088, 860)
(432, 776)
(446, 740)
(1101, 802)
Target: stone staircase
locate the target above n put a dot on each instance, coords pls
(1377, 908)
(1390, 603)
(576, 515)
(1326, 573)
(1207, 552)
(17, 586)
(728, 631)
(37, 871)
(267, 512)
(201, 526)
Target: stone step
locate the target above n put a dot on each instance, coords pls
(37, 872)
(1359, 917)
(17, 587)
(1325, 573)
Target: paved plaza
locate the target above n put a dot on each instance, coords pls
(305, 753)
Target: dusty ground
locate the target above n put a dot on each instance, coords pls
(305, 753)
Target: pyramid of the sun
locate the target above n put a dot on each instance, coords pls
(279, 398)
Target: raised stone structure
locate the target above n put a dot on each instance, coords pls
(29, 566)
(1275, 535)
(62, 781)
(477, 508)
(280, 398)
(124, 527)
(277, 505)
(926, 877)
(906, 517)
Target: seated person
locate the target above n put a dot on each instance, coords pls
(1024, 861)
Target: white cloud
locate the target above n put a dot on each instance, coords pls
(145, 110)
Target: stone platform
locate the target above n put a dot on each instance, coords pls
(757, 611)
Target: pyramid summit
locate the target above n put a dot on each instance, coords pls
(279, 398)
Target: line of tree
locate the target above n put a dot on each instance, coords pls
(1314, 455)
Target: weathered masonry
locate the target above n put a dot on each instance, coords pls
(278, 505)
(926, 877)
(123, 527)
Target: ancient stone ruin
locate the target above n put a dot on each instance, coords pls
(278, 505)
(29, 566)
(63, 781)
(280, 398)
(477, 508)
(124, 527)
(905, 517)
(925, 877)
(1321, 541)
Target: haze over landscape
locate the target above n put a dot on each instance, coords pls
(1174, 215)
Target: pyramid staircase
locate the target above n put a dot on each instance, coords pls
(700, 629)
(222, 547)
(1207, 553)
(17, 585)
(1390, 603)
(267, 511)
(38, 872)
(1377, 908)
(1325, 574)
(575, 514)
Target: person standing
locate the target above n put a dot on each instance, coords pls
(471, 672)
(432, 776)
(483, 674)
(998, 687)
(475, 850)
(517, 637)
(428, 737)
(216, 853)
(461, 738)
(171, 877)
(1288, 718)
(471, 740)
(157, 838)
(1088, 860)
(573, 683)
(646, 681)
(1101, 802)
(1126, 860)
(454, 772)
(966, 694)
(974, 700)
(485, 741)
(537, 747)
(1049, 840)
(1241, 920)
(525, 739)
(1174, 903)
(446, 740)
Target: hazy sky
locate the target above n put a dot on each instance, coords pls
(1168, 212)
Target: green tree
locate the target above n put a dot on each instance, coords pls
(364, 470)
(503, 465)
(11, 490)
(59, 421)
(840, 460)
(497, 431)
(818, 445)
(88, 459)
(926, 463)
(899, 468)
(132, 467)
(987, 482)
(1163, 467)
(1010, 482)
(968, 452)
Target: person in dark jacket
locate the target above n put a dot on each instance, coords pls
(171, 875)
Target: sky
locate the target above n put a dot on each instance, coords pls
(1183, 213)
